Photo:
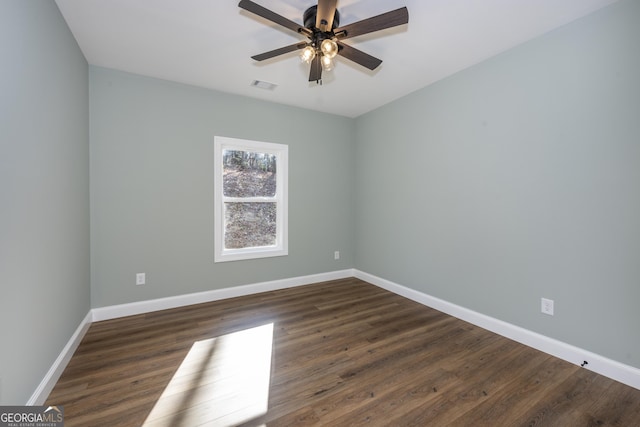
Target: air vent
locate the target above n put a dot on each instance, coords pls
(263, 85)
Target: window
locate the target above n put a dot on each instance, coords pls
(250, 199)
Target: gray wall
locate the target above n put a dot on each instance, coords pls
(44, 193)
(152, 187)
(518, 179)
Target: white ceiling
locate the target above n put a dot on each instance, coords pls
(209, 43)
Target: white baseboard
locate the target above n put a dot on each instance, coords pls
(610, 368)
(49, 381)
(130, 309)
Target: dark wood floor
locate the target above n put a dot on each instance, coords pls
(337, 353)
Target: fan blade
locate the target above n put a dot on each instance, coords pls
(324, 15)
(280, 51)
(272, 16)
(375, 23)
(316, 69)
(358, 56)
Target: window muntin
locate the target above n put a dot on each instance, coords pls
(250, 199)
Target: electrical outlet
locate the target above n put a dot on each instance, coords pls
(546, 306)
(336, 255)
(141, 278)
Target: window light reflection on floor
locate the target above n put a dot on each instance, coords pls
(222, 381)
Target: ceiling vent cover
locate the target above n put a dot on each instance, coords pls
(264, 85)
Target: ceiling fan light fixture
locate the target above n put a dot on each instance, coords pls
(322, 28)
(307, 54)
(329, 48)
(327, 63)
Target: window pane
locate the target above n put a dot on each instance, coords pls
(249, 225)
(248, 174)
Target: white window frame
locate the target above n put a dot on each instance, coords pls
(281, 151)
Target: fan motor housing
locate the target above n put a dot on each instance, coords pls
(309, 18)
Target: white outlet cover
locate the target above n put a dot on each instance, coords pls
(546, 306)
(140, 278)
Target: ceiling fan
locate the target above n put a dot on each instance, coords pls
(321, 27)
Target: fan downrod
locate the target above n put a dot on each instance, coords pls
(309, 18)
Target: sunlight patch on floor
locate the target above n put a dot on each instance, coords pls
(222, 381)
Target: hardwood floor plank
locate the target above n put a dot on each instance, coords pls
(509, 401)
(566, 403)
(618, 407)
(342, 352)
